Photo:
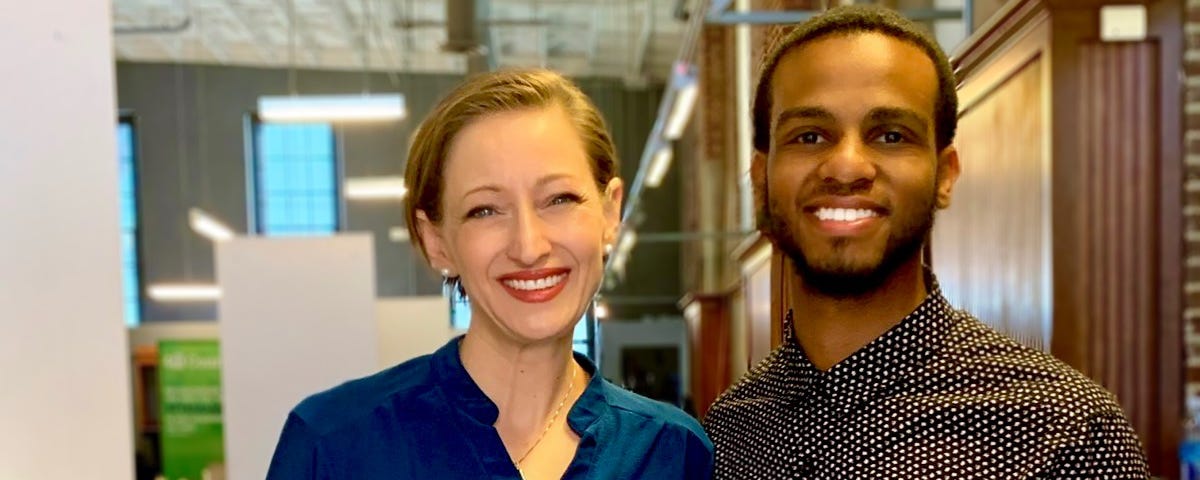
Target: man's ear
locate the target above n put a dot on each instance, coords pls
(433, 244)
(614, 197)
(948, 169)
(758, 183)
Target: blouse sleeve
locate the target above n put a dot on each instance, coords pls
(699, 459)
(296, 453)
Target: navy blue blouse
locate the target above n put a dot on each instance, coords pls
(426, 418)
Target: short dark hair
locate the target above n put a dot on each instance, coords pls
(847, 20)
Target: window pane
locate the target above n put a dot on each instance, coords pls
(295, 171)
(129, 225)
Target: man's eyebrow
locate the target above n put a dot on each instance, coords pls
(892, 114)
(804, 113)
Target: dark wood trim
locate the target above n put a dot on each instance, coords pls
(1166, 19)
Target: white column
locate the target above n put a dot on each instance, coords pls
(65, 410)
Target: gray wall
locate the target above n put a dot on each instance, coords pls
(191, 125)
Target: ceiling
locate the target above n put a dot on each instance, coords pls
(634, 40)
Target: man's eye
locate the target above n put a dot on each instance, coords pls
(892, 137)
(810, 137)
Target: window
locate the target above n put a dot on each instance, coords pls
(131, 280)
(583, 338)
(295, 179)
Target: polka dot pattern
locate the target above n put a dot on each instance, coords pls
(940, 395)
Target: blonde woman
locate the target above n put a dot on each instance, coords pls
(514, 197)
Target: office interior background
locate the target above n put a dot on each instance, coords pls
(156, 212)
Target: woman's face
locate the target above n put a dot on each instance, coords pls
(523, 222)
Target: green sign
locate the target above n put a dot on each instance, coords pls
(191, 435)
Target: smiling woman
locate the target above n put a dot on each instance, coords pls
(514, 197)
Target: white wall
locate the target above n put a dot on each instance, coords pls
(298, 316)
(616, 335)
(412, 326)
(64, 378)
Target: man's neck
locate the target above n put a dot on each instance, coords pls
(831, 329)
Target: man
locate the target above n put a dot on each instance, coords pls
(878, 377)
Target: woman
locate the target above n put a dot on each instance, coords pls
(514, 198)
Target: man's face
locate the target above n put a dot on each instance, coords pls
(850, 183)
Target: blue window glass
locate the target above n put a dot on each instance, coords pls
(131, 282)
(296, 181)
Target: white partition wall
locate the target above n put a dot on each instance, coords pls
(296, 316)
(412, 326)
(65, 410)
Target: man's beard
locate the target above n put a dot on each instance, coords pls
(839, 279)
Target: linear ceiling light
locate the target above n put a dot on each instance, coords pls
(183, 292)
(375, 188)
(332, 108)
(686, 90)
(659, 164)
(209, 227)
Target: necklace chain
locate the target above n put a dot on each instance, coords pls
(553, 418)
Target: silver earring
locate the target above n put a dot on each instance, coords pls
(608, 249)
(445, 273)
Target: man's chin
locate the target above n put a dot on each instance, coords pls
(842, 281)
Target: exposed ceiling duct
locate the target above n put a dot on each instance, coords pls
(466, 33)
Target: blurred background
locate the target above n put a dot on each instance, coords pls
(203, 205)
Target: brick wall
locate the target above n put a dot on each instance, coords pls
(1191, 193)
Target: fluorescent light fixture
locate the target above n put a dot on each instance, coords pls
(331, 108)
(681, 109)
(601, 310)
(375, 188)
(626, 242)
(398, 234)
(659, 164)
(183, 292)
(209, 227)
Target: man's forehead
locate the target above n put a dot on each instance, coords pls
(856, 67)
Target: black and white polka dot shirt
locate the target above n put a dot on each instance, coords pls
(940, 395)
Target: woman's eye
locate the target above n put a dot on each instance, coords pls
(564, 198)
(481, 212)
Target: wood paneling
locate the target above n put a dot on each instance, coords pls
(1118, 119)
(1109, 128)
(992, 247)
(708, 322)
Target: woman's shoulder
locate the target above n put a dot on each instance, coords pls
(353, 400)
(672, 417)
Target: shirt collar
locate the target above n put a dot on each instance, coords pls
(881, 365)
(462, 392)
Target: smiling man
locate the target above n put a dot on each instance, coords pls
(878, 376)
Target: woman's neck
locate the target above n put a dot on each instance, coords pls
(525, 381)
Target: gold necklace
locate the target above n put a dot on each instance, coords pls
(557, 410)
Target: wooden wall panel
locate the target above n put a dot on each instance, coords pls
(1118, 144)
(992, 246)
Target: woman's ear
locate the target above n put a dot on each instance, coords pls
(433, 244)
(614, 196)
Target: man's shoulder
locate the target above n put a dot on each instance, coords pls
(761, 385)
(354, 400)
(995, 367)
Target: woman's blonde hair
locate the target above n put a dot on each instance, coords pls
(486, 94)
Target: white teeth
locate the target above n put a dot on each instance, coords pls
(845, 214)
(539, 284)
